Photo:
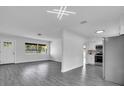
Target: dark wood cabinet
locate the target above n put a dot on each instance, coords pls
(99, 54)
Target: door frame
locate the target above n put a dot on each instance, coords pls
(103, 64)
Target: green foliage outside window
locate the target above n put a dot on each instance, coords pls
(36, 48)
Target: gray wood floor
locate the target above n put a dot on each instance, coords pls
(48, 73)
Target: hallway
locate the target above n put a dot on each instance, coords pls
(48, 73)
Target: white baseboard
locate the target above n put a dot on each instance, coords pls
(30, 61)
(70, 68)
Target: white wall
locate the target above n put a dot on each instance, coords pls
(56, 50)
(21, 56)
(122, 24)
(72, 51)
(114, 59)
(91, 44)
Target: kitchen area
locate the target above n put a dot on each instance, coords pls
(95, 52)
(99, 55)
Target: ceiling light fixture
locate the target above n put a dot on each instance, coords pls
(61, 12)
(99, 31)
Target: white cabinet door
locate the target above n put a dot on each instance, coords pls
(7, 52)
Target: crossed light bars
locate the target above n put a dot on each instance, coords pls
(60, 12)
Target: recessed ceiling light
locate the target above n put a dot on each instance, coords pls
(99, 31)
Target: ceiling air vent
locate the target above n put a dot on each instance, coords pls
(39, 34)
(83, 22)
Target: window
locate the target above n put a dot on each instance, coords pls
(42, 48)
(7, 44)
(36, 48)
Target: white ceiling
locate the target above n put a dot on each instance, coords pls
(31, 20)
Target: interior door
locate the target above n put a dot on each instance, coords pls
(7, 52)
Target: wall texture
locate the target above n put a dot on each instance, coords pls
(72, 51)
(56, 50)
(114, 59)
(21, 56)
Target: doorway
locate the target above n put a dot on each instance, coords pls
(7, 53)
(95, 56)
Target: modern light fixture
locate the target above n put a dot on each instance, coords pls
(61, 12)
(99, 31)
